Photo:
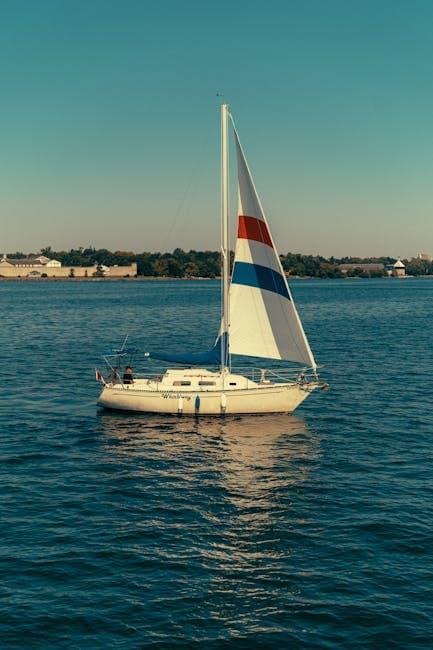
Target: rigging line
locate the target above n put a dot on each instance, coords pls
(196, 168)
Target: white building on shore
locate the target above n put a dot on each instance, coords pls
(44, 267)
(396, 270)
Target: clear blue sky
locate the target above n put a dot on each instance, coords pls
(109, 124)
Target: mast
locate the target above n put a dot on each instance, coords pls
(225, 251)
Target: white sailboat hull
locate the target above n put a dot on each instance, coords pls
(267, 398)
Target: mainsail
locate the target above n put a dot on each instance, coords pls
(263, 318)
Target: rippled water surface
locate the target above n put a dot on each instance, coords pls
(130, 531)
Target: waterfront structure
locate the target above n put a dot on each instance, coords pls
(396, 270)
(44, 267)
(345, 268)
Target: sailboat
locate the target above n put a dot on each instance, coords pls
(258, 319)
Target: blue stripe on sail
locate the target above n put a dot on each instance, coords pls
(262, 277)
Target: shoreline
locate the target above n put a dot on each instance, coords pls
(104, 279)
(150, 278)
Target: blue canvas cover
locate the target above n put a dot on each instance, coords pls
(210, 358)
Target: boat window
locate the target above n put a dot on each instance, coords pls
(232, 383)
(181, 383)
(206, 383)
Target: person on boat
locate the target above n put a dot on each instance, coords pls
(127, 376)
(114, 376)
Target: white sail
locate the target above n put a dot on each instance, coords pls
(263, 318)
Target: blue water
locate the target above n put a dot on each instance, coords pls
(134, 531)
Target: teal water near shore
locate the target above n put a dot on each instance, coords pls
(132, 531)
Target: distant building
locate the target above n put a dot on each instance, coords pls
(28, 262)
(45, 261)
(345, 268)
(424, 256)
(396, 270)
(41, 266)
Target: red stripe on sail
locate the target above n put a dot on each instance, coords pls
(252, 228)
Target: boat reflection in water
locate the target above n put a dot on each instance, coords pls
(214, 505)
(247, 463)
(251, 443)
(244, 455)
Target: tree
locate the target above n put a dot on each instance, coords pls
(417, 266)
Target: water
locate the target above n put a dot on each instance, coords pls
(134, 531)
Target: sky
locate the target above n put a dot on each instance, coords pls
(109, 122)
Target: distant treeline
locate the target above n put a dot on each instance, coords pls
(206, 264)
